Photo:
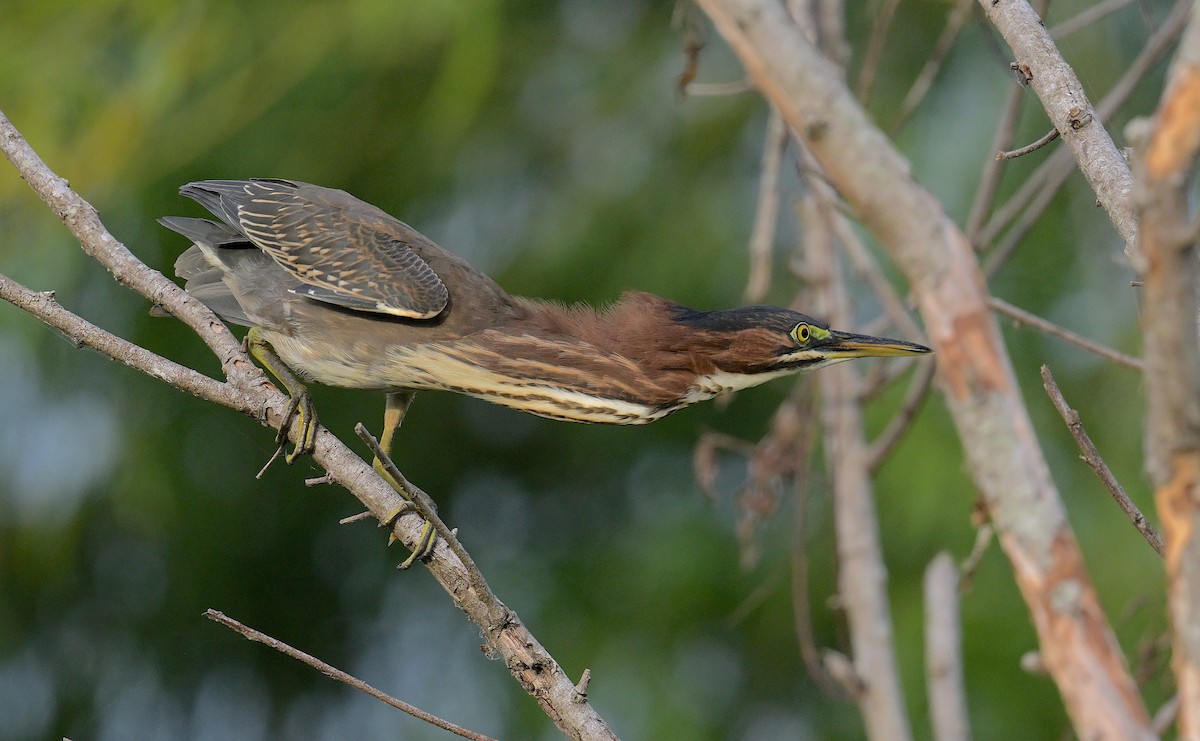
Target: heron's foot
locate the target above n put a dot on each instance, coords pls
(300, 406)
(428, 538)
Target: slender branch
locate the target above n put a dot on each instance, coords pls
(334, 673)
(976, 376)
(1033, 146)
(1020, 316)
(943, 652)
(801, 601)
(526, 659)
(868, 267)
(699, 89)
(989, 179)
(425, 507)
(1087, 17)
(1051, 174)
(83, 333)
(874, 54)
(955, 22)
(985, 535)
(1091, 456)
(1069, 110)
(914, 398)
(766, 215)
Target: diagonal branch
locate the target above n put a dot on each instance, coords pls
(975, 374)
(506, 635)
(334, 673)
(1091, 456)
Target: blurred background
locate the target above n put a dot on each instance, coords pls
(545, 142)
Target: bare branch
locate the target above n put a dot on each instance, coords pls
(943, 652)
(1091, 456)
(989, 179)
(526, 659)
(801, 601)
(1033, 146)
(874, 54)
(887, 440)
(1087, 17)
(334, 673)
(766, 215)
(85, 334)
(1020, 316)
(955, 22)
(975, 373)
(1069, 110)
(1040, 187)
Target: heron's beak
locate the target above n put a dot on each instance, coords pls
(846, 345)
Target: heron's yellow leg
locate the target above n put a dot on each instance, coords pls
(300, 402)
(393, 417)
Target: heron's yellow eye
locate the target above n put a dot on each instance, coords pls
(802, 333)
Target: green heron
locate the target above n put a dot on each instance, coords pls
(339, 292)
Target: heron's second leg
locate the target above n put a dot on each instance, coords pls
(393, 416)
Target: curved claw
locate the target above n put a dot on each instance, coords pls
(299, 405)
(424, 548)
(427, 539)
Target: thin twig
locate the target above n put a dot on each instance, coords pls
(1086, 17)
(334, 673)
(914, 397)
(801, 601)
(989, 179)
(1041, 200)
(83, 333)
(425, 507)
(955, 23)
(1042, 141)
(985, 534)
(766, 215)
(698, 89)
(1051, 174)
(1069, 110)
(868, 267)
(1091, 456)
(875, 45)
(1165, 716)
(1033, 320)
